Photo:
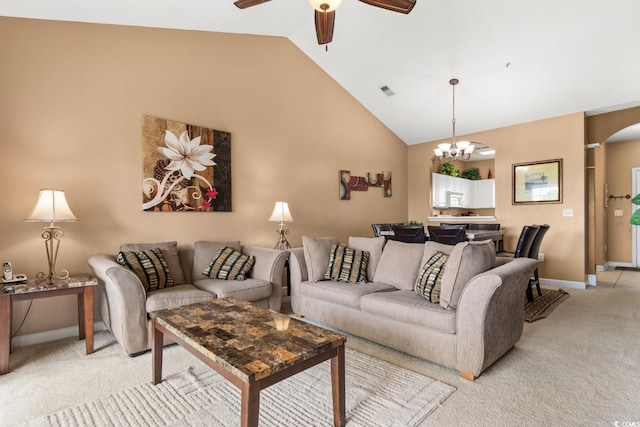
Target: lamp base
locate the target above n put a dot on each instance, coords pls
(283, 243)
(52, 236)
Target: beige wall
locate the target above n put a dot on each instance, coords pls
(72, 98)
(599, 128)
(560, 137)
(621, 157)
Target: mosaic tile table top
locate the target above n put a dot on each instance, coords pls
(250, 341)
(32, 285)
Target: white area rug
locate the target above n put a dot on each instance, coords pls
(378, 394)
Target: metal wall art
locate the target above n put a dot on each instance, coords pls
(350, 183)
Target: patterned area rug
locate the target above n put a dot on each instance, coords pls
(378, 394)
(543, 305)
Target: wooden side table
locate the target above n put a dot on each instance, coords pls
(82, 285)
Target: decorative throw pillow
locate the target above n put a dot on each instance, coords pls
(229, 264)
(430, 277)
(347, 265)
(316, 255)
(150, 267)
(169, 252)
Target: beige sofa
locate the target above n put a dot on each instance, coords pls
(479, 317)
(125, 304)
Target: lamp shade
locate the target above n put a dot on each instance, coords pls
(51, 207)
(281, 213)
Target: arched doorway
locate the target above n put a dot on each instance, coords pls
(599, 128)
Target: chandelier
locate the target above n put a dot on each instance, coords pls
(455, 149)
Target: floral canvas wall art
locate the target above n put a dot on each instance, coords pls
(186, 168)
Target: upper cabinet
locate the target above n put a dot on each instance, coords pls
(452, 192)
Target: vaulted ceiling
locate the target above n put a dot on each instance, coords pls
(517, 61)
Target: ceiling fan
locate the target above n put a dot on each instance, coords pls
(325, 11)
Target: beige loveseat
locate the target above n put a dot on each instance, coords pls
(478, 318)
(125, 304)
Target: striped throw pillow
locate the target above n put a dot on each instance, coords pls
(150, 267)
(347, 265)
(430, 277)
(229, 264)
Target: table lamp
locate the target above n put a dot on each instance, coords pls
(51, 207)
(281, 214)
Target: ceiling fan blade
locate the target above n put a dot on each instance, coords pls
(324, 26)
(402, 6)
(243, 4)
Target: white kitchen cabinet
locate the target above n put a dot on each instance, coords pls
(439, 190)
(475, 194)
(484, 193)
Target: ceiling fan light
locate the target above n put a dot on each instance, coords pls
(325, 5)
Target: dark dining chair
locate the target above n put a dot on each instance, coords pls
(408, 233)
(382, 229)
(523, 249)
(487, 227)
(449, 235)
(533, 253)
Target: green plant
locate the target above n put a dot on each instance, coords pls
(635, 218)
(471, 173)
(413, 223)
(449, 168)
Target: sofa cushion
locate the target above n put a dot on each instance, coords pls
(229, 264)
(373, 245)
(170, 253)
(430, 247)
(248, 290)
(409, 307)
(467, 260)
(346, 294)
(150, 267)
(347, 265)
(204, 251)
(399, 264)
(429, 280)
(175, 296)
(316, 255)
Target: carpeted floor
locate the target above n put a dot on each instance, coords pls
(376, 395)
(544, 304)
(576, 367)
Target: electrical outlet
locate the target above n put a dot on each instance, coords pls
(567, 212)
(540, 256)
(617, 212)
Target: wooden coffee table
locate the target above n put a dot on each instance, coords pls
(251, 347)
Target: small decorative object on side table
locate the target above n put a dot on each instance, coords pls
(81, 284)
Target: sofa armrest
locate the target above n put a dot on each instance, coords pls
(490, 314)
(269, 267)
(126, 302)
(297, 267)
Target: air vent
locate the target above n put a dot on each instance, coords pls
(387, 91)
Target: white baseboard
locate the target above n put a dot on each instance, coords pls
(602, 267)
(563, 283)
(620, 264)
(54, 335)
(592, 280)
